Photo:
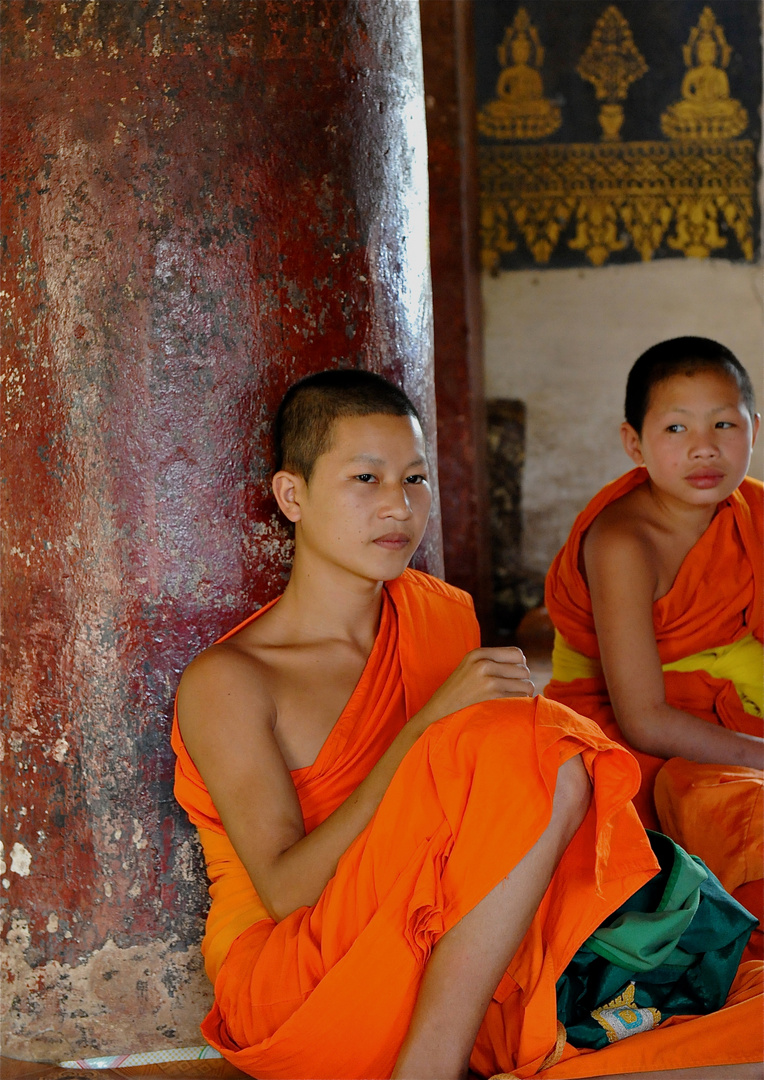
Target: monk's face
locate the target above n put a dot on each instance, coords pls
(366, 506)
(696, 437)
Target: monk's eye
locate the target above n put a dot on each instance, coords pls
(723, 424)
(366, 478)
(675, 427)
(416, 478)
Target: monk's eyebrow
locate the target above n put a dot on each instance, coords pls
(370, 459)
(716, 408)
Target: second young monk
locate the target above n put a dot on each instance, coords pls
(406, 850)
(657, 602)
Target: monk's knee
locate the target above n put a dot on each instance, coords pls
(572, 796)
(504, 727)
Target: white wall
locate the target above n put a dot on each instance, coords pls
(563, 341)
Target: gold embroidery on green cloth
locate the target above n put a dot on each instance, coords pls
(622, 1017)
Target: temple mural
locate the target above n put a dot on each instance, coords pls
(617, 133)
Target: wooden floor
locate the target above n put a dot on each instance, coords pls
(209, 1069)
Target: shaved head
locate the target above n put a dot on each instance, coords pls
(681, 356)
(310, 408)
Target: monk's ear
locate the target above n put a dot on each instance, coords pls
(288, 488)
(632, 443)
(756, 423)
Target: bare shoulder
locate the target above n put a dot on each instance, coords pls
(224, 688)
(621, 538)
(227, 715)
(621, 568)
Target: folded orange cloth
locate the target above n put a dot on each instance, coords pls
(329, 991)
(718, 813)
(378, 709)
(716, 600)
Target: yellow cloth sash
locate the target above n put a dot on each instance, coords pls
(741, 662)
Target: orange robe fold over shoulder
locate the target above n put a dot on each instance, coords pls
(329, 991)
(708, 628)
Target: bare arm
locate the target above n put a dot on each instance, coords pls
(226, 721)
(622, 583)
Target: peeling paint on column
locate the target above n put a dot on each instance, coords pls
(202, 202)
(21, 860)
(98, 1002)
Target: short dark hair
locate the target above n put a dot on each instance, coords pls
(681, 356)
(306, 415)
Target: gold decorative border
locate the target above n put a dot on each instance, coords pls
(673, 195)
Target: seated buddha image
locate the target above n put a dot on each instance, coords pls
(520, 110)
(706, 110)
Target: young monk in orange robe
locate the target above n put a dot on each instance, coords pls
(656, 598)
(405, 849)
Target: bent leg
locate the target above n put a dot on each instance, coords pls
(331, 990)
(469, 960)
(688, 796)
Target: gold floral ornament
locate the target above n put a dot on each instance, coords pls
(520, 110)
(661, 194)
(598, 230)
(706, 110)
(612, 62)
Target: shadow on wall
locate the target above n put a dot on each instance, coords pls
(516, 590)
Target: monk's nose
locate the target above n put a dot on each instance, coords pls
(397, 502)
(706, 445)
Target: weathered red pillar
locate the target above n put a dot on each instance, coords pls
(204, 199)
(449, 86)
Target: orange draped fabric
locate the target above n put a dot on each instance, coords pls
(375, 714)
(716, 600)
(329, 990)
(718, 812)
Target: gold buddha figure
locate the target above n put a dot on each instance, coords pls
(520, 110)
(706, 110)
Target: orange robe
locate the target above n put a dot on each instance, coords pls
(329, 991)
(715, 603)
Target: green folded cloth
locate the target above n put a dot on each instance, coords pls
(672, 948)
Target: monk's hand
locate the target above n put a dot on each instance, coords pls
(483, 675)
